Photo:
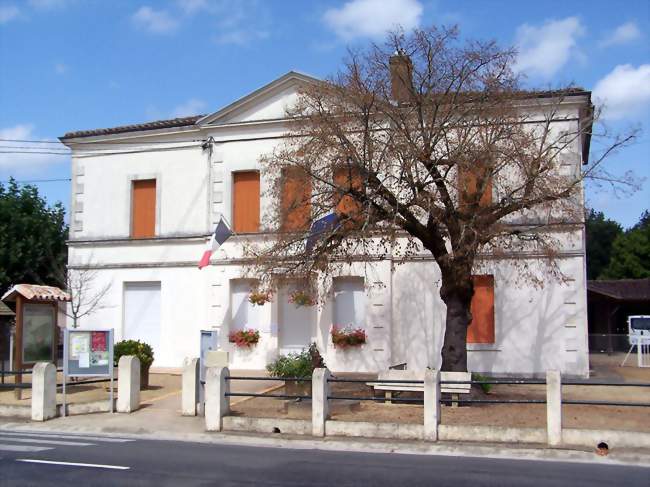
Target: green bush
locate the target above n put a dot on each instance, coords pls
(485, 387)
(292, 365)
(142, 350)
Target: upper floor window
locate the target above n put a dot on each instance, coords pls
(296, 200)
(143, 208)
(246, 201)
(348, 178)
(467, 186)
(481, 328)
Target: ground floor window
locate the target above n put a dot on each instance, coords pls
(142, 313)
(244, 314)
(481, 329)
(349, 302)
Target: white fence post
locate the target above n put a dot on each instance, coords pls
(217, 404)
(128, 384)
(554, 407)
(431, 404)
(43, 391)
(191, 386)
(319, 403)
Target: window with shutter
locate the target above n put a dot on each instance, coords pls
(346, 178)
(143, 208)
(481, 329)
(246, 201)
(296, 200)
(467, 186)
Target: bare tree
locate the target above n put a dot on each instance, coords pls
(427, 143)
(86, 296)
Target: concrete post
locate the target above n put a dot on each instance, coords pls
(554, 407)
(191, 386)
(128, 384)
(319, 403)
(431, 404)
(217, 404)
(43, 391)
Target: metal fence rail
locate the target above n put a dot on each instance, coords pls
(254, 394)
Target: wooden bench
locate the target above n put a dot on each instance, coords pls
(407, 375)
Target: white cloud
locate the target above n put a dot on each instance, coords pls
(193, 106)
(625, 91)
(8, 13)
(372, 18)
(623, 34)
(60, 68)
(21, 162)
(154, 21)
(544, 50)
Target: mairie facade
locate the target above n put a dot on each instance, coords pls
(145, 199)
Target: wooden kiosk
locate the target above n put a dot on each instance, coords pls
(37, 331)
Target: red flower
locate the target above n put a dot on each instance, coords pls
(346, 337)
(244, 338)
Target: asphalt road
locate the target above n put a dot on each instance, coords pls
(28, 459)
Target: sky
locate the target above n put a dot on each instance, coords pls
(70, 65)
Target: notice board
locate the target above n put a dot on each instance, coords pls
(88, 353)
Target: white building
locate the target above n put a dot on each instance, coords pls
(146, 197)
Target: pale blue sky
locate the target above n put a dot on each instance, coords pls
(80, 64)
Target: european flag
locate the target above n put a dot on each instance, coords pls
(319, 227)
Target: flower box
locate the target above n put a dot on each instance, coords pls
(347, 336)
(259, 298)
(301, 298)
(244, 338)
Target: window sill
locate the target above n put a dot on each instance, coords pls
(482, 347)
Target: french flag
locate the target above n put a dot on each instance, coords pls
(220, 235)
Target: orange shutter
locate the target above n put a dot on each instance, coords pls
(246, 201)
(467, 182)
(344, 179)
(296, 200)
(143, 208)
(481, 329)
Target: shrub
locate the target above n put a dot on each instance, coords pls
(142, 350)
(347, 337)
(485, 387)
(244, 338)
(292, 365)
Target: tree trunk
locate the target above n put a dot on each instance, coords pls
(459, 316)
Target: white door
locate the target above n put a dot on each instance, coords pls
(142, 314)
(296, 323)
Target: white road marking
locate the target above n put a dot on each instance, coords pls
(72, 464)
(67, 437)
(47, 442)
(24, 448)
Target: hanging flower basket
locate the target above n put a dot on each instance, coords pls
(347, 337)
(260, 298)
(244, 338)
(301, 298)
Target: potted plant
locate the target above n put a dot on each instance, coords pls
(296, 365)
(347, 337)
(300, 298)
(142, 350)
(244, 338)
(259, 298)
